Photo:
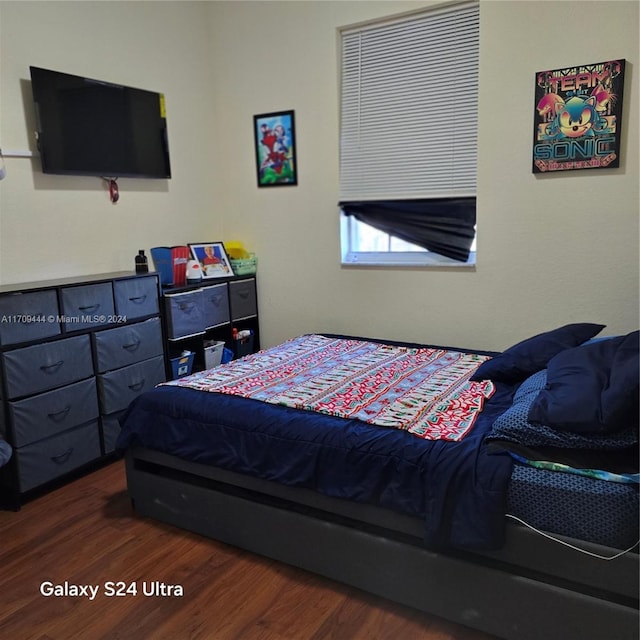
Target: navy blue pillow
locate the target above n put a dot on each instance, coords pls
(525, 358)
(514, 426)
(592, 389)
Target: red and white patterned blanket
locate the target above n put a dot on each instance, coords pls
(426, 391)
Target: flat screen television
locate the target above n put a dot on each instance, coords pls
(93, 128)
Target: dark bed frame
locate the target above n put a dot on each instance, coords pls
(533, 588)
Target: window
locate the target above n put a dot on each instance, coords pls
(363, 244)
(408, 134)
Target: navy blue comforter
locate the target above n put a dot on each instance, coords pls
(457, 488)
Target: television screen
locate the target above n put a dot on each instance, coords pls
(94, 128)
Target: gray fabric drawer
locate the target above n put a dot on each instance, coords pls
(46, 366)
(215, 303)
(28, 316)
(48, 413)
(110, 431)
(115, 348)
(47, 459)
(87, 306)
(242, 296)
(137, 297)
(184, 313)
(118, 388)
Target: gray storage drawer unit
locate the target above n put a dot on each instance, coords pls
(46, 414)
(74, 352)
(242, 297)
(118, 388)
(213, 311)
(215, 304)
(128, 344)
(26, 316)
(87, 306)
(136, 297)
(184, 312)
(47, 459)
(45, 366)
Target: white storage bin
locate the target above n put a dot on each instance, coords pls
(213, 355)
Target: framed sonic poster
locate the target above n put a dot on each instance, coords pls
(577, 118)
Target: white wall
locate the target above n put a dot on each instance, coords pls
(552, 249)
(53, 226)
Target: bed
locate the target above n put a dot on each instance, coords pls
(507, 502)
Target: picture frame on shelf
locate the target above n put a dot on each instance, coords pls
(213, 259)
(275, 149)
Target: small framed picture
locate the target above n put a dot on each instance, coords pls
(275, 142)
(213, 259)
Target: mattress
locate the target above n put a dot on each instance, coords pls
(576, 506)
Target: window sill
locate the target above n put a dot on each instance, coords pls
(404, 260)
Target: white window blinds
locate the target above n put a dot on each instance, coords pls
(409, 101)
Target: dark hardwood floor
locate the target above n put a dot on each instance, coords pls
(86, 533)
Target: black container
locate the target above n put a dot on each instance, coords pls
(142, 264)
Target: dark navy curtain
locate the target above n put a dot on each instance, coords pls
(445, 226)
